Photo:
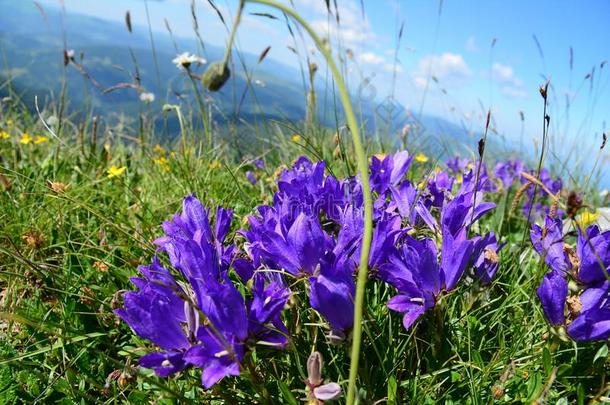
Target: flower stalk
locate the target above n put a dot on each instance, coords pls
(362, 168)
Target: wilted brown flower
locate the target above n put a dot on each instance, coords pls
(100, 266)
(33, 239)
(57, 187)
(574, 203)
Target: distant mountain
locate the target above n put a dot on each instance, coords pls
(32, 45)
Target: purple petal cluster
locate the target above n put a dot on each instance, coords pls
(575, 293)
(195, 314)
(314, 228)
(217, 300)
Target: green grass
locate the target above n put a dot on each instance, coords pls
(65, 256)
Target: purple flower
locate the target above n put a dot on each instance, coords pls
(259, 164)
(298, 249)
(192, 226)
(486, 260)
(585, 312)
(169, 313)
(462, 211)
(509, 171)
(553, 292)
(593, 250)
(458, 165)
(251, 177)
(593, 322)
(389, 171)
(264, 321)
(549, 244)
(415, 272)
(332, 294)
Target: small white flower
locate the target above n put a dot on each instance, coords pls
(184, 60)
(147, 97)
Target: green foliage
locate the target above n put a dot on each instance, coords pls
(65, 253)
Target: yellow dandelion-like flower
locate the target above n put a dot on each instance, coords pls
(459, 178)
(296, 138)
(158, 149)
(26, 139)
(587, 218)
(4, 135)
(40, 139)
(162, 162)
(421, 158)
(215, 164)
(115, 171)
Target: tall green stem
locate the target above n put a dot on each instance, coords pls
(202, 110)
(366, 188)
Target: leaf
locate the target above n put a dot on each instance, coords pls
(534, 386)
(392, 389)
(602, 353)
(580, 394)
(286, 393)
(547, 363)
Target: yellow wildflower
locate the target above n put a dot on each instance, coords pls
(459, 178)
(296, 138)
(158, 149)
(26, 139)
(215, 164)
(40, 139)
(4, 135)
(587, 218)
(115, 171)
(421, 158)
(162, 162)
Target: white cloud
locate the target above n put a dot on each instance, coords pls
(448, 68)
(471, 45)
(393, 67)
(512, 86)
(514, 92)
(370, 58)
(354, 30)
(502, 73)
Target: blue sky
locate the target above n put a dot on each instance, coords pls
(454, 46)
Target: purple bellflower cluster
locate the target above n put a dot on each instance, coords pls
(575, 293)
(197, 316)
(217, 300)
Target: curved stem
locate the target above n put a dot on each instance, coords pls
(236, 22)
(366, 189)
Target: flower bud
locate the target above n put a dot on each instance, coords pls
(215, 76)
(314, 369)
